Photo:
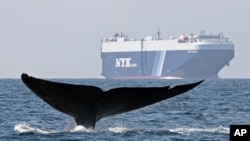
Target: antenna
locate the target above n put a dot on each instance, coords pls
(158, 34)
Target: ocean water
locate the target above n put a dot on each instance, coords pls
(203, 113)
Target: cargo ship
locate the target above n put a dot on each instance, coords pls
(187, 56)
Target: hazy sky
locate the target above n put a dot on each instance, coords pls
(62, 38)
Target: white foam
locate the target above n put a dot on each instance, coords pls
(71, 126)
(188, 131)
(25, 128)
(119, 129)
(82, 129)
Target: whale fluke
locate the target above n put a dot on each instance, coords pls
(88, 104)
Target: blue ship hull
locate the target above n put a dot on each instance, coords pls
(161, 64)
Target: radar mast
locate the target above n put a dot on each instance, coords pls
(158, 34)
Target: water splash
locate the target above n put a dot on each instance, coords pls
(71, 125)
(82, 129)
(25, 128)
(118, 129)
(188, 131)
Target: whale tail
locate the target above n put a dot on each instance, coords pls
(88, 104)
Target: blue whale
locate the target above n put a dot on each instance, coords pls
(88, 104)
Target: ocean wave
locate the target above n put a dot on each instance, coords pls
(24, 128)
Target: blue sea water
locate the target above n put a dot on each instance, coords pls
(203, 113)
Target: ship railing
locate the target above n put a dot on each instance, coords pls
(213, 40)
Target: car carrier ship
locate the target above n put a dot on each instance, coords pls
(188, 56)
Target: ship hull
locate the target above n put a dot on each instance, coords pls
(189, 56)
(165, 63)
